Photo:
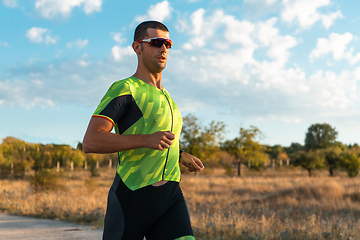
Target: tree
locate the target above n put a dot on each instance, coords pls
(294, 147)
(274, 151)
(36, 152)
(233, 147)
(323, 136)
(61, 153)
(293, 150)
(200, 141)
(5, 165)
(354, 146)
(78, 157)
(332, 157)
(350, 161)
(246, 148)
(312, 159)
(79, 146)
(320, 136)
(15, 155)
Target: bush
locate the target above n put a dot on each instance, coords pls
(351, 163)
(5, 171)
(46, 180)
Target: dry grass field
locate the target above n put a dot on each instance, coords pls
(268, 205)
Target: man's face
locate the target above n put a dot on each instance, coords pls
(154, 58)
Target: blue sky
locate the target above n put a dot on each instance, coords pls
(280, 65)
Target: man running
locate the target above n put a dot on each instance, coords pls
(145, 198)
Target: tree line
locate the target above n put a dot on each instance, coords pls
(18, 157)
(320, 150)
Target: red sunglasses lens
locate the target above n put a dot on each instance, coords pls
(159, 42)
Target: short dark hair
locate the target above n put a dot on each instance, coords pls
(141, 29)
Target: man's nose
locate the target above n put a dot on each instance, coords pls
(163, 48)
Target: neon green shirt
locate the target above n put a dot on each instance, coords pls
(136, 107)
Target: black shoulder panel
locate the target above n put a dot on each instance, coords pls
(123, 111)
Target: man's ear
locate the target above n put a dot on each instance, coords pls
(137, 47)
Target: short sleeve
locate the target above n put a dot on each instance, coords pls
(115, 102)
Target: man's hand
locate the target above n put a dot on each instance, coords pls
(160, 140)
(192, 163)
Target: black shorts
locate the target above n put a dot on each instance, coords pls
(157, 213)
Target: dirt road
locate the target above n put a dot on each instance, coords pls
(16, 228)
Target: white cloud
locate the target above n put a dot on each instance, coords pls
(335, 91)
(355, 59)
(158, 12)
(79, 43)
(197, 20)
(50, 40)
(120, 53)
(306, 14)
(54, 8)
(272, 75)
(328, 20)
(248, 87)
(337, 44)
(49, 85)
(10, 3)
(15, 93)
(261, 2)
(36, 35)
(196, 29)
(218, 29)
(238, 31)
(84, 63)
(226, 32)
(117, 37)
(278, 45)
(267, 32)
(261, 89)
(4, 44)
(187, 46)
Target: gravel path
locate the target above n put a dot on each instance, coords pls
(15, 227)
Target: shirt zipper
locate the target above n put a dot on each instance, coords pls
(172, 122)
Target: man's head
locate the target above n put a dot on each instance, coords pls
(141, 30)
(151, 44)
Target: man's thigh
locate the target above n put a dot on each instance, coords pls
(117, 226)
(175, 224)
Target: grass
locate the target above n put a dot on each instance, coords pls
(272, 204)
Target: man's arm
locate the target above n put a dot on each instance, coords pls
(99, 139)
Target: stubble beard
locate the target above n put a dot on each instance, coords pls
(154, 66)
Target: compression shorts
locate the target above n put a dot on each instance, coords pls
(158, 213)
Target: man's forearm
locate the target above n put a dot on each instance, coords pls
(107, 142)
(99, 139)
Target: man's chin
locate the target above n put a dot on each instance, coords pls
(161, 67)
(157, 68)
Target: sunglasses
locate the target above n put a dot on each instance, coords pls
(158, 42)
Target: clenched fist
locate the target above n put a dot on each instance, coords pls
(160, 140)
